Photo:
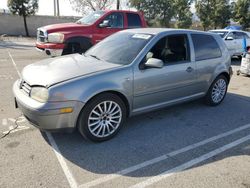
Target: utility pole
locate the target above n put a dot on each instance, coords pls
(117, 4)
(56, 8)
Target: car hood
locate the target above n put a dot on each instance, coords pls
(64, 27)
(54, 70)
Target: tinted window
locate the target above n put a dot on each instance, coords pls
(205, 47)
(133, 20)
(120, 48)
(115, 20)
(170, 49)
(240, 35)
(245, 35)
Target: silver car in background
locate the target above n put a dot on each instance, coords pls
(234, 40)
(128, 73)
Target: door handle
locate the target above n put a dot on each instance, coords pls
(189, 69)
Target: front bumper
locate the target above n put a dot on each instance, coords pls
(47, 116)
(51, 49)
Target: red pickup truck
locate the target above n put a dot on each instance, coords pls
(67, 38)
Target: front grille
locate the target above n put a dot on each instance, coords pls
(41, 35)
(25, 87)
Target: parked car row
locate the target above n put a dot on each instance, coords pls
(131, 72)
(68, 38)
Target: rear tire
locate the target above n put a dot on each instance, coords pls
(102, 117)
(217, 91)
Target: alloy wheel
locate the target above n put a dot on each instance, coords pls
(104, 119)
(219, 90)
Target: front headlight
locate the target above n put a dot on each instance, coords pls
(56, 37)
(40, 94)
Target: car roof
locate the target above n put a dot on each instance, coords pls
(227, 30)
(156, 31)
(126, 11)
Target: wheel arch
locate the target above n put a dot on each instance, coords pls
(117, 93)
(84, 42)
(226, 75)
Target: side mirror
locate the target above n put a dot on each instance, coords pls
(154, 63)
(229, 38)
(105, 23)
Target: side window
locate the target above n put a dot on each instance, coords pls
(171, 49)
(134, 20)
(245, 35)
(232, 35)
(239, 35)
(205, 47)
(115, 20)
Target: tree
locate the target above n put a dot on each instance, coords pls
(85, 5)
(241, 12)
(183, 13)
(23, 8)
(215, 13)
(203, 10)
(221, 13)
(162, 10)
(118, 4)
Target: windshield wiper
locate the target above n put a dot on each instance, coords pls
(94, 56)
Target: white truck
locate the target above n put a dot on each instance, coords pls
(234, 40)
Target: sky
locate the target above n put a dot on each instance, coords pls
(46, 7)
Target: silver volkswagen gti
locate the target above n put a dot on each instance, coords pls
(128, 73)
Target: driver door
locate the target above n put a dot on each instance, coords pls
(176, 80)
(116, 23)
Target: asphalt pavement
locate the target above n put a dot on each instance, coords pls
(188, 145)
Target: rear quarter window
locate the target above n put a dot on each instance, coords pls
(134, 20)
(205, 47)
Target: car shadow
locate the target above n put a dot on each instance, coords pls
(154, 134)
(14, 45)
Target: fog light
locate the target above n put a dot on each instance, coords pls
(66, 110)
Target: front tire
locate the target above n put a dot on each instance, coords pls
(72, 48)
(102, 117)
(217, 91)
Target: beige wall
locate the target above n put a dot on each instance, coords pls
(13, 24)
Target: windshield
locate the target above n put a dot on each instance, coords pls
(221, 33)
(120, 48)
(91, 18)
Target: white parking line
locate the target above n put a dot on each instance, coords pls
(68, 174)
(6, 77)
(19, 128)
(4, 122)
(66, 170)
(189, 164)
(161, 158)
(14, 64)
